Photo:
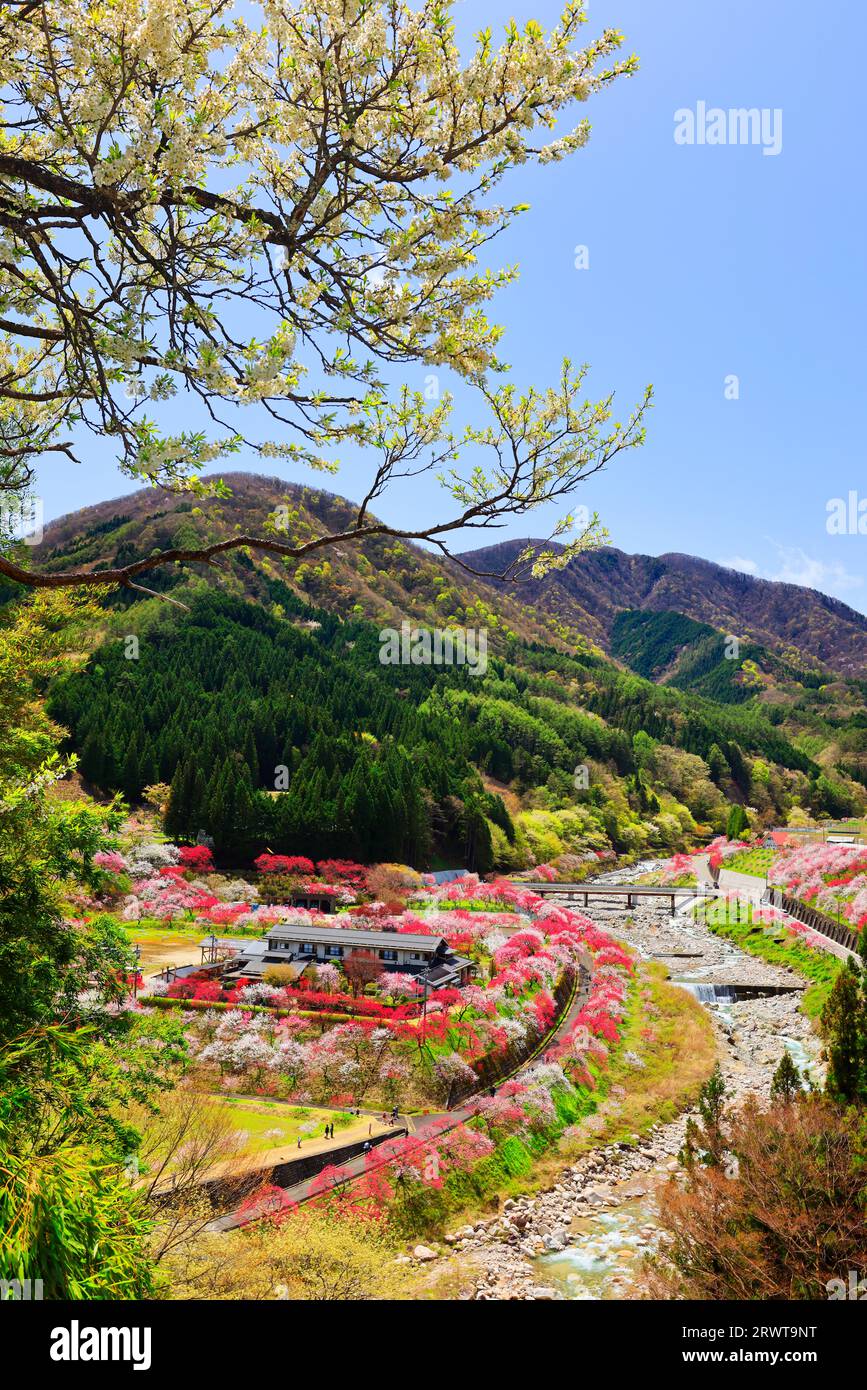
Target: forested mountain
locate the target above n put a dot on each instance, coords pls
(580, 603)
(594, 587)
(302, 739)
(268, 712)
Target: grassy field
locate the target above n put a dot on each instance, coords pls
(773, 943)
(266, 1124)
(752, 861)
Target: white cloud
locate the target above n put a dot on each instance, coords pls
(797, 567)
(793, 565)
(738, 562)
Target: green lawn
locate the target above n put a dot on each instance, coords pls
(751, 861)
(162, 936)
(270, 1123)
(773, 943)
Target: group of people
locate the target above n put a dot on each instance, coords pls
(385, 1118)
(329, 1133)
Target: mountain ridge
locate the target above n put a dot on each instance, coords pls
(583, 599)
(671, 730)
(725, 598)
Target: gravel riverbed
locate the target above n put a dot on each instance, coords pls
(584, 1238)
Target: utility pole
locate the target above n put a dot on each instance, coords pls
(424, 1005)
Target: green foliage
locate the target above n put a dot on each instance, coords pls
(68, 1215)
(844, 1025)
(738, 822)
(268, 734)
(68, 1064)
(786, 1081)
(703, 1142)
(650, 642)
(298, 737)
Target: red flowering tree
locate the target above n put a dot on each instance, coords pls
(267, 1203)
(209, 990)
(344, 871)
(361, 968)
(284, 864)
(196, 858)
(332, 1181)
(180, 989)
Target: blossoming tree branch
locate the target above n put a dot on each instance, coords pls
(278, 211)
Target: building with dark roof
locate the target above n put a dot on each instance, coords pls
(299, 946)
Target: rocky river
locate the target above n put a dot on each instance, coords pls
(585, 1237)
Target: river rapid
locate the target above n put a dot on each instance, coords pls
(586, 1237)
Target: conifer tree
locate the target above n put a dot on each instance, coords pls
(844, 1025)
(786, 1081)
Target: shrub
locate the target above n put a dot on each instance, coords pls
(279, 975)
(110, 861)
(197, 858)
(781, 1216)
(284, 864)
(277, 888)
(392, 882)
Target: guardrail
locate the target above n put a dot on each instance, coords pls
(814, 919)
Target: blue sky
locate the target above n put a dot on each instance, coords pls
(705, 261)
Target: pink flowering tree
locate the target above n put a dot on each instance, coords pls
(328, 978)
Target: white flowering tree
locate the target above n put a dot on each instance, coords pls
(450, 1070)
(272, 209)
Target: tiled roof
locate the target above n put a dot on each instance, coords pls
(352, 936)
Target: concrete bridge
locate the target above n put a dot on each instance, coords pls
(634, 893)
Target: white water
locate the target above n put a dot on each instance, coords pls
(611, 1244)
(602, 1266)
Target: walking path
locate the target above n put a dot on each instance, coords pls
(265, 1159)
